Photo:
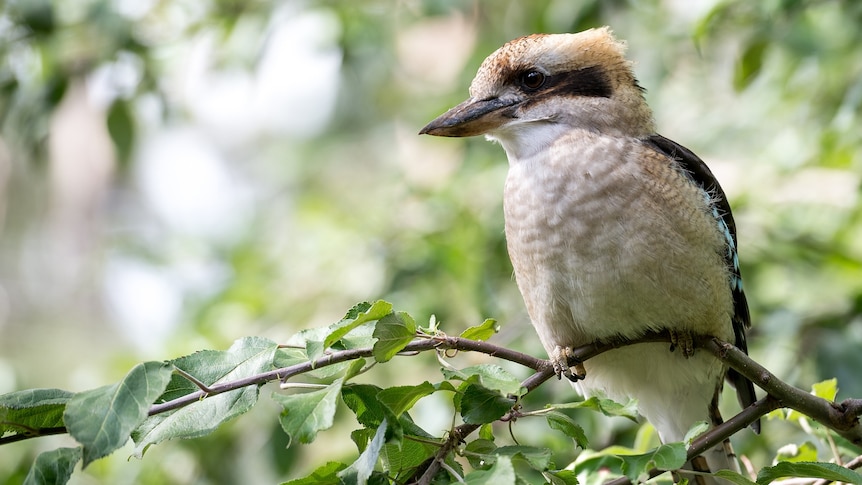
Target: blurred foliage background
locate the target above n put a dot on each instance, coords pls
(176, 174)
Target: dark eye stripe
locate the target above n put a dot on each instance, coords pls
(589, 81)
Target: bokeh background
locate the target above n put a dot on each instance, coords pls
(176, 174)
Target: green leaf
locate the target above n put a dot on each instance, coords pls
(749, 64)
(605, 406)
(35, 15)
(401, 398)
(359, 471)
(286, 357)
(393, 332)
(197, 419)
(827, 389)
(354, 368)
(480, 453)
(537, 458)
(121, 127)
(569, 427)
(734, 477)
(53, 467)
(501, 473)
(482, 332)
(481, 405)
(307, 413)
(562, 477)
(352, 331)
(102, 419)
(489, 376)
(324, 475)
(246, 357)
(486, 432)
(24, 412)
(404, 457)
(362, 400)
(608, 459)
(827, 471)
(671, 456)
(806, 452)
(354, 318)
(433, 325)
(696, 430)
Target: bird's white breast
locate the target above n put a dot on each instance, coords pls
(608, 239)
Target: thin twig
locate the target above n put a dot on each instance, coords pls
(194, 380)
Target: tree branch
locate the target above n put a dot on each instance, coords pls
(843, 418)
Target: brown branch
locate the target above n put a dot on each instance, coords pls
(457, 435)
(284, 373)
(843, 418)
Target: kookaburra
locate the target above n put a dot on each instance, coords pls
(612, 229)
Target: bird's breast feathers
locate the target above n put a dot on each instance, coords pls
(608, 236)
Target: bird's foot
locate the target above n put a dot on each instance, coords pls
(682, 339)
(560, 358)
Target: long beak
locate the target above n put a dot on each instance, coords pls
(472, 117)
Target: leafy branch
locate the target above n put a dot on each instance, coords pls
(193, 395)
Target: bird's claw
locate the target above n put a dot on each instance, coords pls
(684, 340)
(561, 358)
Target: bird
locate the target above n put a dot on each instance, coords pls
(613, 230)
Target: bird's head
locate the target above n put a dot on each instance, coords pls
(534, 87)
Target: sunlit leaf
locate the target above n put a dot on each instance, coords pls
(486, 432)
(806, 452)
(482, 332)
(827, 389)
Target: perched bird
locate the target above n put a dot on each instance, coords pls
(612, 229)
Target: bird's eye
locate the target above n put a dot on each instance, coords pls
(532, 80)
